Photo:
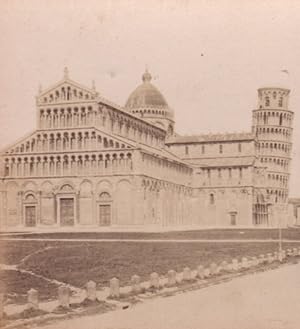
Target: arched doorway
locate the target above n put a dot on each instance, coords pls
(104, 209)
(66, 202)
(30, 210)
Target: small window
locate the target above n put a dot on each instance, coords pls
(211, 198)
(280, 102)
(241, 172)
(240, 147)
(186, 150)
(221, 148)
(219, 173)
(230, 172)
(208, 173)
(267, 101)
(203, 149)
(280, 119)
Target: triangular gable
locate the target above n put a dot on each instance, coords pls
(66, 90)
(32, 143)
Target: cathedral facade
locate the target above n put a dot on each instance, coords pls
(91, 163)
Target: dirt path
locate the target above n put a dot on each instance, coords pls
(262, 300)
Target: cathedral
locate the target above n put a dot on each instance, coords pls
(91, 163)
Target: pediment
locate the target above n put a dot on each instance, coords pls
(90, 139)
(66, 91)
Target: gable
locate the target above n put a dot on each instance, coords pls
(66, 91)
(90, 139)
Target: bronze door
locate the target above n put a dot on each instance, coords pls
(67, 212)
(104, 215)
(30, 216)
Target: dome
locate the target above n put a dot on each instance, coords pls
(146, 95)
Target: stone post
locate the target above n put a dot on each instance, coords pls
(91, 290)
(254, 261)
(64, 296)
(235, 264)
(224, 266)
(261, 259)
(154, 280)
(136, 284)
(200, 272)
(114, 288)
(295, 252)
(245, 262)
(32, 299)
(171, 278)
(187, 276)
(269, 258)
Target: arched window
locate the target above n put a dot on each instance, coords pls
(265, 118)
(104, 196)
(280, 119)
(186, 150)
(280, 102)
(221, 148)
(240, 147)
(211, 198)
(267, 101)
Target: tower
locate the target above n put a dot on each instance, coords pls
(272, 124)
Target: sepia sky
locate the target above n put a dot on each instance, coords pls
(207, 57)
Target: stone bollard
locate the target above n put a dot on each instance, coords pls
(254, 261)
(186, 275)
(32, 299)
(284, 253)
(91, 291)
(295, 252)
(235, 264)
(269, 258)
(154, 280)
(245, 263)
(171, 278)
(136, 284)
(261, 259)
(1, 306)
(64, 296)
(213, 268)
(200, 272)
(207, 273)
(114, 288)
(224, 266)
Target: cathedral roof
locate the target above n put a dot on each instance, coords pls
(227, 137)
(225, 162)
(146, 95)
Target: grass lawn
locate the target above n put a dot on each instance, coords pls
(17, 284)
(237, 233)
(78, 262)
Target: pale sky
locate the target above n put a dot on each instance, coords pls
(207, 57)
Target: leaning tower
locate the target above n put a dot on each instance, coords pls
(272, 124)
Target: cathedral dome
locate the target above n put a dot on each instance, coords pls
(146, 95)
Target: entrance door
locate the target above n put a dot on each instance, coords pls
(233, 218)
(67, 212)
(104, 214)
(30, 216)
